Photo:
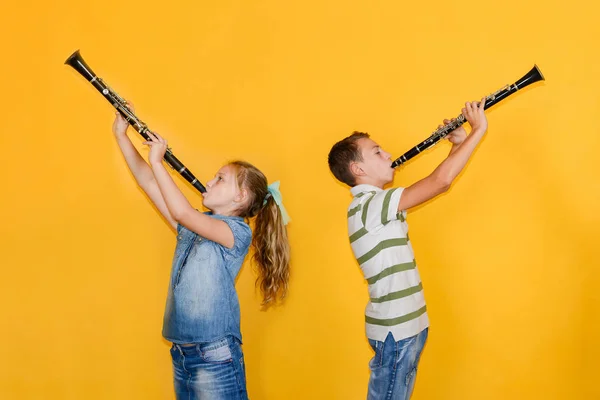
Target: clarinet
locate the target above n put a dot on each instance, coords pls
(78, 63)
(532, 76)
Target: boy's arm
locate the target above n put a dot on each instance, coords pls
(442, 177)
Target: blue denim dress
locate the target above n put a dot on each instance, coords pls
(202, 303)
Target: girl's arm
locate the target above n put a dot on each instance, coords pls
(140, 169)
(178, 206)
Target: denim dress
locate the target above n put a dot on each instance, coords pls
(203, 313)
(202, 303)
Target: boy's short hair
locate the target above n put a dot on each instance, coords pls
(342, 154)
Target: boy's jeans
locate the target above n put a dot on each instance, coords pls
(394, 367)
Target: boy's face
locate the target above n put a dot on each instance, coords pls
(375, 168)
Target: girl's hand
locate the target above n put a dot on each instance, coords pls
(158, 148)
(120, 124)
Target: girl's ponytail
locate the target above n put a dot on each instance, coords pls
(270, 241)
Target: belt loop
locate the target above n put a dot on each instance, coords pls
(178, 347)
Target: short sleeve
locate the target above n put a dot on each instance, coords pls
(381, 208)
(242, 237)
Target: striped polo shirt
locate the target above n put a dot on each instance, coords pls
(379, 239)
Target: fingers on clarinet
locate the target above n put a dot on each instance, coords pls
(446, 121)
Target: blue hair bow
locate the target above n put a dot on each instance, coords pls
(276, 194)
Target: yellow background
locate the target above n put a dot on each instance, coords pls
(508, 257)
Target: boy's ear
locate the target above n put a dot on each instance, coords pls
(356, 169)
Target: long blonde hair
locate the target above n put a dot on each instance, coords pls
(270, 241)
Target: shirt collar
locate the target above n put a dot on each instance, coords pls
(364, 187)
(219, 216)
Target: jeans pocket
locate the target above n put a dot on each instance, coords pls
(217, 352)
(377, 360)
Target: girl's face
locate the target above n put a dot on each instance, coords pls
(223, 196)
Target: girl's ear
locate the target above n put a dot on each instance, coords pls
(242, 196)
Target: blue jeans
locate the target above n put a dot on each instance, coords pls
(394, 367)
(209, 371)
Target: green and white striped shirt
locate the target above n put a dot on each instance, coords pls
(379, 240)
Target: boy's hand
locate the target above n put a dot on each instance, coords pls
(475, 115)
(458, 135)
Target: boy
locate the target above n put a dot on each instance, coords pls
(396, 315)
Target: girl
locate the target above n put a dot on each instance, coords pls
(202, 316)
